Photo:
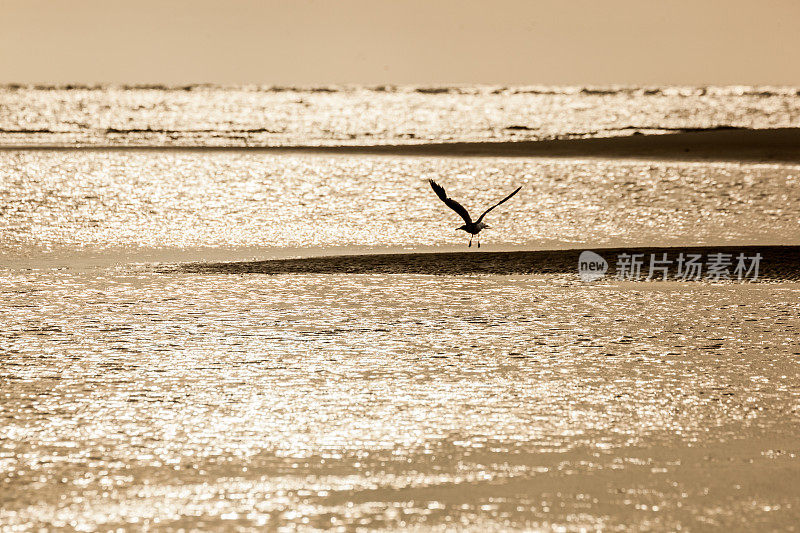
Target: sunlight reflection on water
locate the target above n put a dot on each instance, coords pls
(249, 116)
(133, 397)
(113, 200)
(392, 401)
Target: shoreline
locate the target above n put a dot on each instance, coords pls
(745, 145)
(778, 263)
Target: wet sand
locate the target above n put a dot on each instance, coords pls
(778, 263)
(722, 144)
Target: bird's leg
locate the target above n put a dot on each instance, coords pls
(479, 242)
(470, 242)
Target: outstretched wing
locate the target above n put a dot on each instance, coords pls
(452, 204)
(498, 203)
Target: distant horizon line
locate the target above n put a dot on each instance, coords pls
(433, 88)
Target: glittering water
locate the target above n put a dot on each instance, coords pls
(138, 397)
(400, 401)
(65, 202)
(207, 115)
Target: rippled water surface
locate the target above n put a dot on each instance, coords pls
(400, 401)
(242, 116)
(134, 395)
(111, 201)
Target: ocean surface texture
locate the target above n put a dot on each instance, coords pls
(281, 116)
(137, 393)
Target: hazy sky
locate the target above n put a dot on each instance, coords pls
(401, 42)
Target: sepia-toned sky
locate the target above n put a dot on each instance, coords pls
(578, 42)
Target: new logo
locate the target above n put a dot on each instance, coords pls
(591, 266)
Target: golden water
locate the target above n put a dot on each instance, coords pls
(134, 396)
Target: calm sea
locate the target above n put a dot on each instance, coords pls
(137, 398)
(243, 116)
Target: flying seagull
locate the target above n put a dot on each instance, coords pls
(473, 228)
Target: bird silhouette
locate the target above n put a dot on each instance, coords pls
(473, 228)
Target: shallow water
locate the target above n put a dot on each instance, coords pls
(395, 401)
(116, 202)
(134, 395)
